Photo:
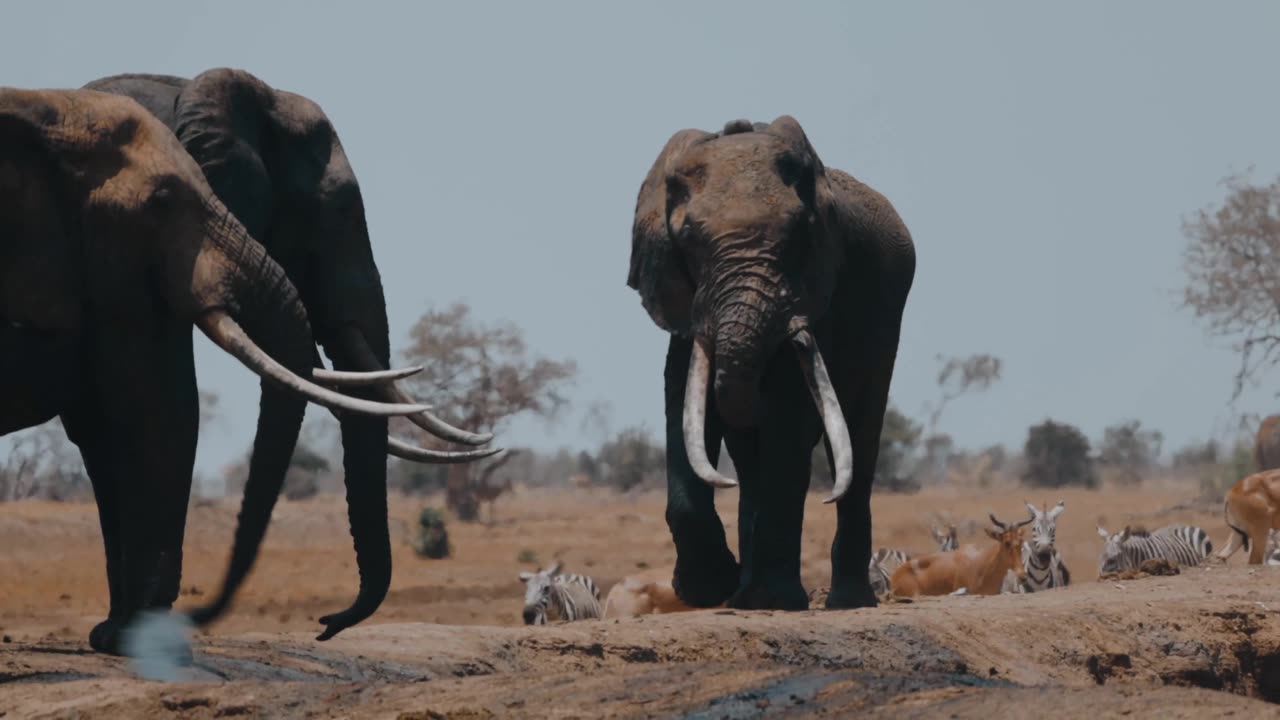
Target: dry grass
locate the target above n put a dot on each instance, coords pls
(307, 567)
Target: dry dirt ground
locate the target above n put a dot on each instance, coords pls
(448, 641)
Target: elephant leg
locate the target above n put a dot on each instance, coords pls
(87, 433)
(774, 475)
(706, 572)
(864, 405)
(138, 441)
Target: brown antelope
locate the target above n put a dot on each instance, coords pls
(647, 593)
(967, 569)
(1252, 511)
(485, 492)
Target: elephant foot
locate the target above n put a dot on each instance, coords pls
(771, 595)
(106, 636)
(705, 584)
(847, 596)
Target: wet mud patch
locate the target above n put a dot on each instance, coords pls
(808, 693)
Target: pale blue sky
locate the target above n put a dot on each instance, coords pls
(1043, 156)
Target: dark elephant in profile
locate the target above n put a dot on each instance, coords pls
(112, 246)
(1266, 446)
(782, 283)
(274, 159)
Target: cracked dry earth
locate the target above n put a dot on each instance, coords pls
(1203, 643)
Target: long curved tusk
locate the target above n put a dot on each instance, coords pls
(695, 418)
(433, 424)
(343, 378)
(824, 396)
(405, 451)
(363, 356)
(227, 334)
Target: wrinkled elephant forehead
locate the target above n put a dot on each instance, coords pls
(743, 147)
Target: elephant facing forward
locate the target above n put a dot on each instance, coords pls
(112, 246)
(782, 284)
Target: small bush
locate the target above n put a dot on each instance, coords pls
(527, 556)
(432, 537)
(1057, 455)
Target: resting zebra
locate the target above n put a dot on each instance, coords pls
(886, 560)
(551, 595)
(1043, 565)
(1183, 545)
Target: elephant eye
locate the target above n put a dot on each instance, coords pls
(163, 193)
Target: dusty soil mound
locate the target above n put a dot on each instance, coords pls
(1195, 645)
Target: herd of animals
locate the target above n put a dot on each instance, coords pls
(1008, 565)
(138, 206)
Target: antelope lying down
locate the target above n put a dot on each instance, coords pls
(968, 569)
(647, 593)
(886, 560)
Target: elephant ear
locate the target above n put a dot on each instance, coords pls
(220, 118)
(657, 272)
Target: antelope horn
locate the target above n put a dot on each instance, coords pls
(695, 418)
(824, 396)
(227, 334)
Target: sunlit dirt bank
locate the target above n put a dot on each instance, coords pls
(448, 642)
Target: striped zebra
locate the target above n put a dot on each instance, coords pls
(1182, 545)
(886, 560)
(552, 595)
(1041, 562)
(1272, 556)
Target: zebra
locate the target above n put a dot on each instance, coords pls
(886, 560)
(1130, 548)
(1041, 562)
(1272, 556)
(550, 594)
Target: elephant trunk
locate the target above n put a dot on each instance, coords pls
(750, 314)
(247, 306)
(752, 320)
(364, 460)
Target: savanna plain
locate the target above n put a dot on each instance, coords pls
(449, 641)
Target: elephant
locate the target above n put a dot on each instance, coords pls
(112, 246)
(1266, 446)
(274, 159)
(787, 280)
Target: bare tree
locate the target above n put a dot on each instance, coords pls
(1232, 261)
(961, 375)
(479, 376)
